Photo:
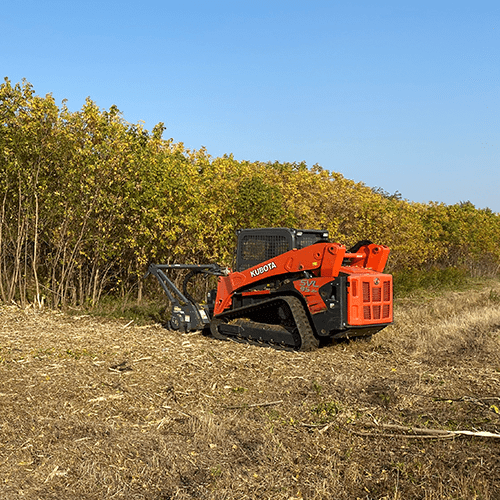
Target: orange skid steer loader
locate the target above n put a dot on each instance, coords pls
(290, 289)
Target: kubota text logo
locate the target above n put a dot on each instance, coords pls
(262, 269)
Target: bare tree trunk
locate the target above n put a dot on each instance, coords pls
(81, 297)
(3, 266)
(35, 252)
(65, 276)
(139, 292)
(103, 280)
(14, 281)
(91, 279)
(94, 291)
(24, 277)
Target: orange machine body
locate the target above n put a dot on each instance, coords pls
(343, 292)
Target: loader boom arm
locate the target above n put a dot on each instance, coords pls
(320, 259)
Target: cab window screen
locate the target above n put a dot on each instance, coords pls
(259, 248)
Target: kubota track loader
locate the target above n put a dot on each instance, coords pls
(290, 289)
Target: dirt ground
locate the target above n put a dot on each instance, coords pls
(98, 409)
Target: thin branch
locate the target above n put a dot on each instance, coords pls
(417, 430)
(406, 436)
(428, 433)
(252, 405)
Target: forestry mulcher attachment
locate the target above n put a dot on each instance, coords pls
(291, 289)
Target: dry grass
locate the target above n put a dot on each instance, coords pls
(93, 409)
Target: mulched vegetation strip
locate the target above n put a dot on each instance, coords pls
(91, 408)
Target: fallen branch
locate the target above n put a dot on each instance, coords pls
(325, 428)
(417, 430)
(52, 474)
(142, 359)
(422, 432)
(252, 405)
(406, 436)
(477, 433)
(321, 427)
(486, 402)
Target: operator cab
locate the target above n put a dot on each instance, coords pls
(258, 245)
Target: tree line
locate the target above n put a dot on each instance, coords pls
(88, 199)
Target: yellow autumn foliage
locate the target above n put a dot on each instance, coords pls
(87, 200)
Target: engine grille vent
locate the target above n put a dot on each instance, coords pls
(373, 295)
(374, 303)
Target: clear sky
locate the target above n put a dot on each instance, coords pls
(403, 95)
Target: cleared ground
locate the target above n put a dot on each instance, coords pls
(93, 409)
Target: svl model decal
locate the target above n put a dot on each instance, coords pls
(308, 286)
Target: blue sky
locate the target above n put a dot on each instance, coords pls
(399, 95)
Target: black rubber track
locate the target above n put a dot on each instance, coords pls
(294, 333)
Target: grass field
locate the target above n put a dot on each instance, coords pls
(100, 409)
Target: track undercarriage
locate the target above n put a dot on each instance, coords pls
(280, 322)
